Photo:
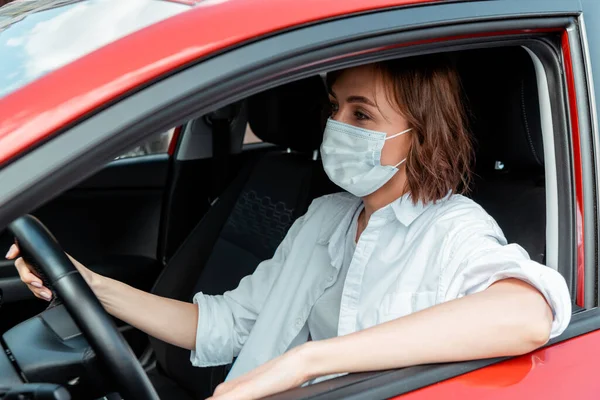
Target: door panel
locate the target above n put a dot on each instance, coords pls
(110, 223)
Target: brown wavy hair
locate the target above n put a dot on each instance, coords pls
(427, 91)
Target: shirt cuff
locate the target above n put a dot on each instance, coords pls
(548, 282)
(213, 338)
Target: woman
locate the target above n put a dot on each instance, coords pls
(402, 270)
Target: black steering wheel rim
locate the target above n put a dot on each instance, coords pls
(112, 349)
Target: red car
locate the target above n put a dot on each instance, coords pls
(171, 144)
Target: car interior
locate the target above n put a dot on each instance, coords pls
(187, 223)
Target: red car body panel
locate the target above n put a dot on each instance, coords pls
(188, 2)
(562, 371)
(68, 93)
(579, 298)
(63, 96)
(174, 141)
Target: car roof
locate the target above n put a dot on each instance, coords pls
(39, 36)
(31, 113)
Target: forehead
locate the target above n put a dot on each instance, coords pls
(363, 80)
(352, 75)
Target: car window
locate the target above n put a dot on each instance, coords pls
(156, 145)
(250, 137)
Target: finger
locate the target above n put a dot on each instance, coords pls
(41, 293)
(237, 389)
(244, 392)
(46, 296)
(25, 273)
(36, 285)
(223, 391)
(13, 252)
(220, 390)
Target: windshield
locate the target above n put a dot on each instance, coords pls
(38, 36)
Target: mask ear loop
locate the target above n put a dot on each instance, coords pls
(401, 162)
(396, 135)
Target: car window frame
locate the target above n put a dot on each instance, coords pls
(215, 82)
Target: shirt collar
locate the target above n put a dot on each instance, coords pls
(402, 209)
(406, 211)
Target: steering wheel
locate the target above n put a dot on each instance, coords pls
(39, 247)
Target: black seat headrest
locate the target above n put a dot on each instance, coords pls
(290, 115)
(235, 117)
(501, 88)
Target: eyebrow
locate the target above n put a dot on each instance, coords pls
(360, 99)
(355, 99)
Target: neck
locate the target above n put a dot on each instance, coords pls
(391, 191)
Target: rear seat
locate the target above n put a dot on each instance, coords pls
(505, 120)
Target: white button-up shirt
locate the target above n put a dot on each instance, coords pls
(409, 257)
(325, 314)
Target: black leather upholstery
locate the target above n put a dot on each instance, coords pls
(248, 222)
(502, 93)
(291, 115)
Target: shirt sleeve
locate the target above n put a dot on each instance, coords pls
(225, 321)
(480, 256)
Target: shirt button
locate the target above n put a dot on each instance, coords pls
(330, 279)
(299, 322)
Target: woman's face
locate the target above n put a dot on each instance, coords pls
(358, 97)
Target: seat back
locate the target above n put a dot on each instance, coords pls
(502, 92)
(252, 216)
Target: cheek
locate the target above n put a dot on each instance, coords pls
(395, 150)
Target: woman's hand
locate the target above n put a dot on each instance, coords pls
(169, 320)
(33, 282)
(285, 372)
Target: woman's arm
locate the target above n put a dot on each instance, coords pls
(509, 318)
(169, 320)
(213, 327)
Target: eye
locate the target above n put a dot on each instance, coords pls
(333, 107)
(361, 116)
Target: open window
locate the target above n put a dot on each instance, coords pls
(518, 116)
(519, 142)
(515, 163)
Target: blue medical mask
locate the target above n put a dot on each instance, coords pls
(352, 157)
